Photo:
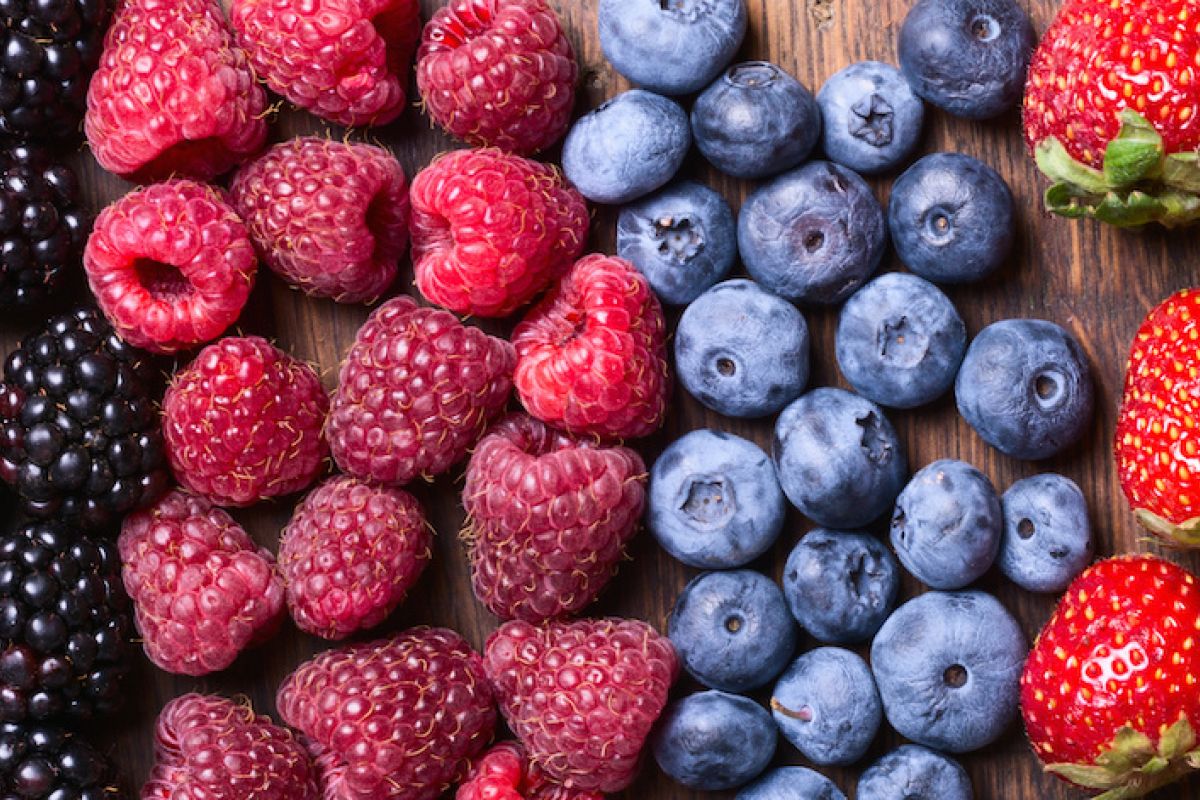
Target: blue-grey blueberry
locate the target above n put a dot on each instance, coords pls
(714, 741)
(912, 772)
(1047, 536)
(827, 706)
(871, 118)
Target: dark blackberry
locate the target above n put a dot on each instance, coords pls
(42, 227)
(38, 762)
(80, 437)
(48, 52)
(65, 624)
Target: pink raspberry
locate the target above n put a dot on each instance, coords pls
(491, 230)
(350, 554)
(417, 389)
(171, 265)
(203, 591)
(210, 748)
(582, 696)
(545, 545)
(346, 61)
(243, 421)
(396, 719)
(331, 218)
(173, 94)
(591, 356)
(498, 73)
(504, 773)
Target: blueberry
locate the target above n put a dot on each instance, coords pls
(841, 586)
(912, 772)
(827, 706)
(871, 119)
(714, 501)
(791, 783)
(812, 235)
(1047, 537)
(948, 666)
(683, 239)
(627, 147)
(947, 524)
(714, 741)
(671, 46)
(951, 218)
(967, 57)
(838, 458)
(741, 351)
(756, 120)
(732, 630)
(900, 341)
(1026, 388)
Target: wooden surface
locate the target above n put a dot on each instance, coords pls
(1098, 283)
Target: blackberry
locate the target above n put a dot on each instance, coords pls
(80, 438)
(46, 763)
(42, 227)
(65, 624)
(48, 52)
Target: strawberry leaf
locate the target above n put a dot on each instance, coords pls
(1135, 155)
(1177, 740)
(1087, 775)
(1185, 534)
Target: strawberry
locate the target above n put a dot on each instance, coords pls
(1112, 111)
(1109, 692)
(1157, 443)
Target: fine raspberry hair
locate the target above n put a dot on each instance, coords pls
(329, 217)
(171, 265)
(349, 555)
(242, 422)
(192, 107)
(490, 230)
(202, 590)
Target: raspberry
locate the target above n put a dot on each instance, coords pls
(346, 61)
(582, 696)
(491, 230)
(396, 719)
(498, 73)
(202, 590)
(331, 218)
(171, 265)
(415, 392)
(504, 773)
(545, 545)
(242, 422)
(350, 554)
(173, 94)
(591, 356)
(209, 747)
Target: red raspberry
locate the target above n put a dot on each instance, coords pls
(396, 719)
(417, 389)
(504, 773)
(491, 230)
(346, 61)
(350, 554)
(203, 591)
(549, 517)
(331, 218)
(243, 422)
(173, 94)
(209, 747)
(582, 696)
(498, 73)
(591, 356)
(171, 265)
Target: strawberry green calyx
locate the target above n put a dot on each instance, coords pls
(1185, 534)
(1133, 767)
(1139, 183)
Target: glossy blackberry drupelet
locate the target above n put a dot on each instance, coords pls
(42, 227)
(48, 763)
(65, 624)
(51, 48)
(79, 429)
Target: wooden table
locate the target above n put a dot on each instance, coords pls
(1096, 282)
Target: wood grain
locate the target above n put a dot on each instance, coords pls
(1096, 282)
